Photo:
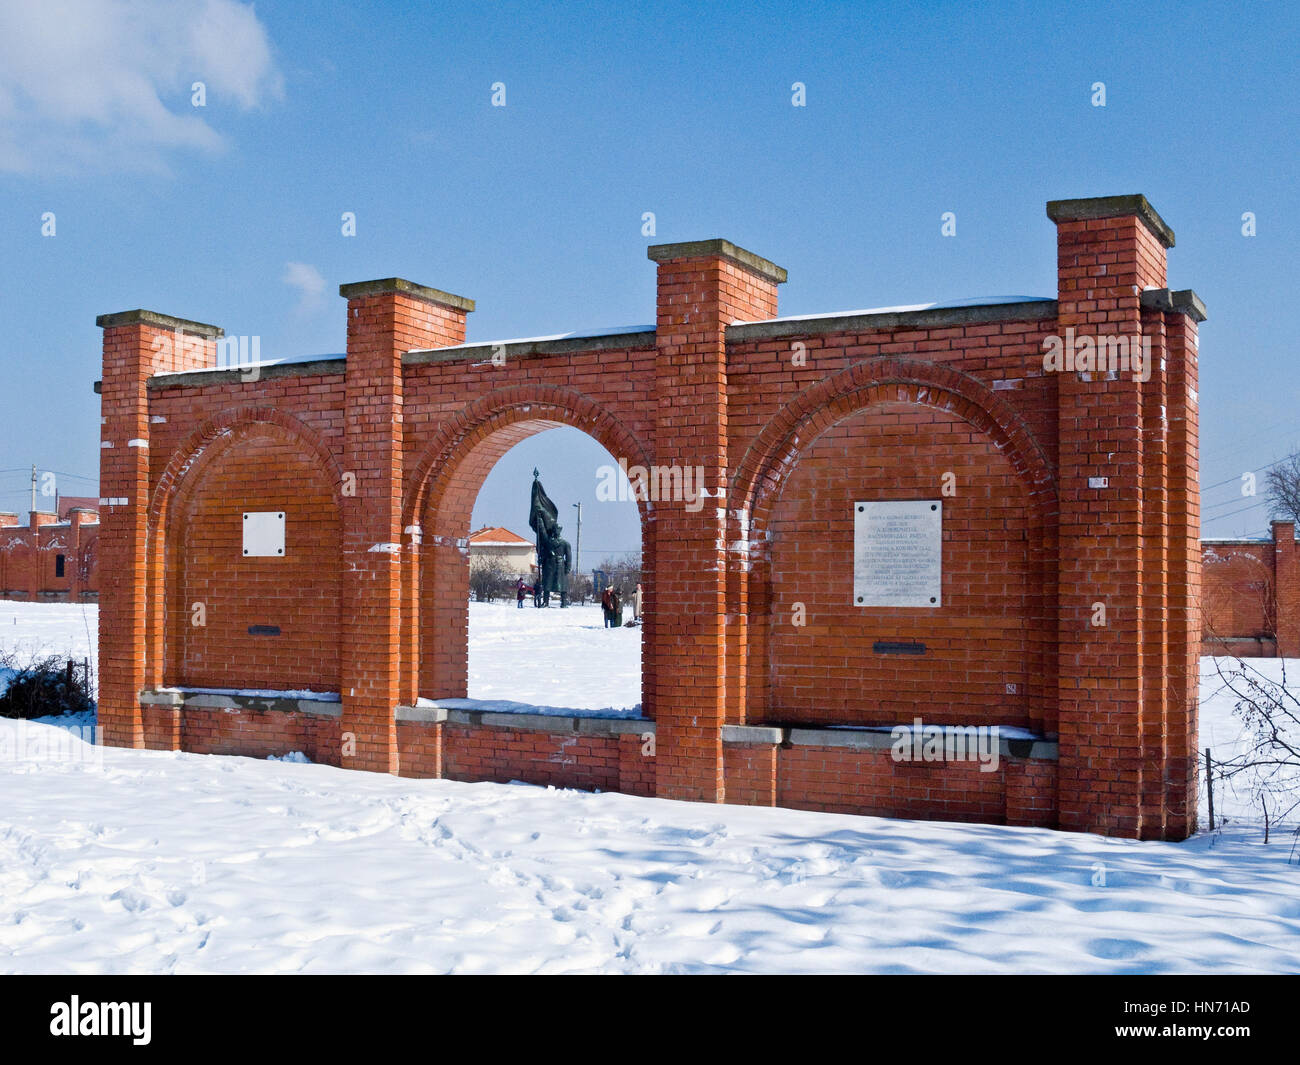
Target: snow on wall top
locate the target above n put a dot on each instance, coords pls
(611, 331)
(283, 360)
(974, 301)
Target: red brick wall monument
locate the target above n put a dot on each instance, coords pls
(1250, 602)
(54, 557)
(1063, 558)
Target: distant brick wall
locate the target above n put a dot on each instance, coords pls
(1073, 497)
(32, 556)
(1250, 600)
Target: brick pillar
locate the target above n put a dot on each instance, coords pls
(386, 319)
(703, 286)
(72, 565)
(1155, 575)
(137, 344)
(1108, 251)
(36, 520)
(8, 520)
(1184, 581)
(1286, 579)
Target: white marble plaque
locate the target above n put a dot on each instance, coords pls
(898, 553)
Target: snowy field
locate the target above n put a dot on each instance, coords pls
(587, 667)
(138, 861)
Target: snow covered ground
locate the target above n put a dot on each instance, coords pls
(139, 861)
(588, 667)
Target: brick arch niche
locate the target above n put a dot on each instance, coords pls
(892, 429)
(274, 621)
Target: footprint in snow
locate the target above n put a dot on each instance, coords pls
(1113, 949)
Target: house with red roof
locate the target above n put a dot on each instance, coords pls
(494, 541)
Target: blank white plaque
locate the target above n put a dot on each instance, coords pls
(264, 534)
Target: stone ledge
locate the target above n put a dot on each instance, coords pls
(258, 703)
(738, 735)
(614, 726)
(582, 726)
(423, 715)
(161, 321)
(641, 340)
(1181, 301)
(384, 285)
(236, 375)
(863, 740)
(701, 249)
(1112, 207)
(934, 318)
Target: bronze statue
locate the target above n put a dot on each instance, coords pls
(554, 556)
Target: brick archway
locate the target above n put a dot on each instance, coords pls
(437, 509)
(184, 479)
(771, 460)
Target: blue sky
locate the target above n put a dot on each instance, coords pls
(231, 213)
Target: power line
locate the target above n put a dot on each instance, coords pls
(57, 473)
(1228, 513)
(1251, 438)
(1228, 503)
(1230, 480)
(1220, 517)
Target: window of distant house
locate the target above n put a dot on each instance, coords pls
(58, 565)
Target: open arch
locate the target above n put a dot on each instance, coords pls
(851, 409)
(252, 458)
(439, 502)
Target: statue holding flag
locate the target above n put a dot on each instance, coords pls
(554, 556)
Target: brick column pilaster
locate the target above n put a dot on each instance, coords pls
(137, 344)
(1286, 579)
(1184, 578)
(37, 520)
(76, 545)
(386, 319)
(1108, 251)
(703, 286)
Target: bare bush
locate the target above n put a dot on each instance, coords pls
(1269, 766)
(49, 687)
(490, 578)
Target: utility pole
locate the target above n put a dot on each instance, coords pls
(33, 510)
(577, 546)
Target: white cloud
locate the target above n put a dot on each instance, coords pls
(105, 84)
(308, 281)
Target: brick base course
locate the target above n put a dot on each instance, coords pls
(802, 777)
